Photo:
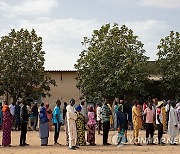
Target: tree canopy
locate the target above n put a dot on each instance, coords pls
(112, 63)
(22, 65)
(169, 62)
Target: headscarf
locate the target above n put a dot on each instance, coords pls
(78, 108)
(5, 108)
(43, 116)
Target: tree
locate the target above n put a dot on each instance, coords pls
(21, 66)
(169, 62)
(112, 63)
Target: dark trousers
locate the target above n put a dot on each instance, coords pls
(17, 123)
(149, 130)
(160, 132)
(23, 133)
(17, 126)
(99, 126)
(56, 133)
(106, 126)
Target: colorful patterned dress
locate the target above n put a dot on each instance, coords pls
(49, 116)
(6, 140)
(91, 128)
(80, 130)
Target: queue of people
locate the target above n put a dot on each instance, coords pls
(152, 115)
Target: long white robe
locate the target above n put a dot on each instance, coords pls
(71, 117)
(173, 131)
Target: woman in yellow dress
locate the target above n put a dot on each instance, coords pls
(111, 117)
(163, 110)
(137, 122)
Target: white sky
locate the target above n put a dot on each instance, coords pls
(63, 23)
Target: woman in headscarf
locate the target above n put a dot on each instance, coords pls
(43, 128)
(7, 117)
(49, 116)
(91, 126)
(80, 127)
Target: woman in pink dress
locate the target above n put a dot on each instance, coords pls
(91, 126)
(7, 117)
(49, 115)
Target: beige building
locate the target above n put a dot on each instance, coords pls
(65, 89)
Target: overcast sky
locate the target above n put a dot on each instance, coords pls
(63, 23)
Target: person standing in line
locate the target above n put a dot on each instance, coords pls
(111, 116)
(149, 116)
(82, 108)
(43, 127)
(91, 126)
(12, 110)
(137, 123)
(167, 108)
(71, 122)
(106, 112)
(57, 121)
(64, 111)
(35, 113)
(7, 119)
(145, 105)
(163, 110)
(127, 110)
(178, 113)
(49, 116)
(115, 114)
(83, 112)
(121, 125)
(28, 106)
(1, 116)
(80, 127)
(140, 107)
(24, 122)
(173, 129)
(159, 122)
(65, 123)
(99, 117)
(17, 113)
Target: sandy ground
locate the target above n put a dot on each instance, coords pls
(35, 148)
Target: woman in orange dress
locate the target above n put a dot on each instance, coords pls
(49, 115)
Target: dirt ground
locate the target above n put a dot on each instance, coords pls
(129, 148)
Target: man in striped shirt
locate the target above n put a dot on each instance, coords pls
(106, 112)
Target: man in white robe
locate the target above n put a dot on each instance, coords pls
(71, 117)
(173, 129)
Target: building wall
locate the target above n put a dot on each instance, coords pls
(65, 89)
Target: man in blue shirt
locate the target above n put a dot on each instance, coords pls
(57, 121)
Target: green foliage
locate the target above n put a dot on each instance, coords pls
(169, 61)
(21, 65)
(112, 64)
